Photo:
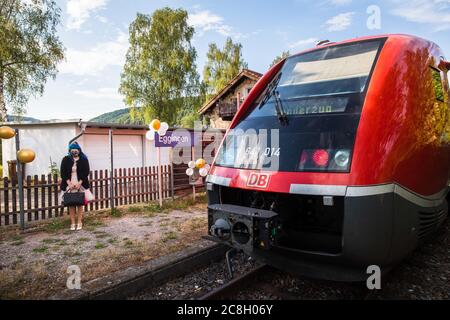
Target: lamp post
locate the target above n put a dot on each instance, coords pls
(22, 156)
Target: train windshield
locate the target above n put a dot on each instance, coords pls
(308, 114)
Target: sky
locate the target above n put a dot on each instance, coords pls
(95, 35)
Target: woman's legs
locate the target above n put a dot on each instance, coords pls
(80, 210)
(72, 215)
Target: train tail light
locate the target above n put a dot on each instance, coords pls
(337, 160)
(321, 158)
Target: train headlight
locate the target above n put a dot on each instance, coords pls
(342, 158)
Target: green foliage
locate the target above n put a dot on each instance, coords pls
(116, 213)
(121, 116)
(30, 50)
(160, 66)
(283, 56)
(222, 65)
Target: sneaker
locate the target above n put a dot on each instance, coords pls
(73, 227)
(80, 226)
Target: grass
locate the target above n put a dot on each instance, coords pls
(18, 243)
(135, 209)
(71, 253)
(41, 249)
(57, 225)
(62, 243)
(83, 240)
(100, 245)
(51, 241)
(116, 213)
(128, 244)
(16, 238)
(169, 236)
(92, 223)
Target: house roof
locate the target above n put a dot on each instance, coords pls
(253, 75)
(80, 123)
(40, 123)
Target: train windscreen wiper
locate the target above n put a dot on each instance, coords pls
(281, 115)
(270, 91)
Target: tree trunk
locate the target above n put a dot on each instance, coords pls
(3, 110)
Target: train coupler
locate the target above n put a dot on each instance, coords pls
(243, 228)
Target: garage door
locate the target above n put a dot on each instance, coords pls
(127, 151)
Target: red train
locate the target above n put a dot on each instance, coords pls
(357, 165)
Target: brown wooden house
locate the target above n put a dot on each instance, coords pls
(221, 109)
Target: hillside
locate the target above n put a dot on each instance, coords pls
(121, 116)
(11, 118)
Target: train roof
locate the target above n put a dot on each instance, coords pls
(357, 39)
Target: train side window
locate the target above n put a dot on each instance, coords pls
(437, 83)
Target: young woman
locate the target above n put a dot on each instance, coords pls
(75, 178)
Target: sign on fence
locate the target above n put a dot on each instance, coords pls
(178, 138)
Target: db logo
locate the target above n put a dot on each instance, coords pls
(258, 180)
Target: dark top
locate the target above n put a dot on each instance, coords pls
(82, 171)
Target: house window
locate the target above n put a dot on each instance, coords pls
(437, 84)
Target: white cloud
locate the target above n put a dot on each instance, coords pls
(302, 43)
(100, 93)
(93, 61)
(79, 11)
(205, 20)
(432, 12)
(340, 22)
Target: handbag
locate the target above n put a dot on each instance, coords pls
(73, 199)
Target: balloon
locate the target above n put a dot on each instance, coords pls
(164, 126)
(191, 165)
(207, 167)
(200, 163)
(150, 135)
(162, 132)
(203, 172)
(155, 125)
(190, 172)
(7, 132)
(26, 155)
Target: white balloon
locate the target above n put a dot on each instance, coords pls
(203, 172)
(190, 172)
(191, 165)
(150, 135)
(164, 126)
(162, 132)
(207, 167)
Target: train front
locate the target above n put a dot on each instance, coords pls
(277, 188)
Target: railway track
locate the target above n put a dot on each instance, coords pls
(256, 280)
(155, 277)
(206, 278)
(227, 290)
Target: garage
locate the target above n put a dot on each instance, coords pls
(128, 151)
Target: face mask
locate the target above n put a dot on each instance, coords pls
(75, 153)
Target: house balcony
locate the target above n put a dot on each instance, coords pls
(227, 110)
